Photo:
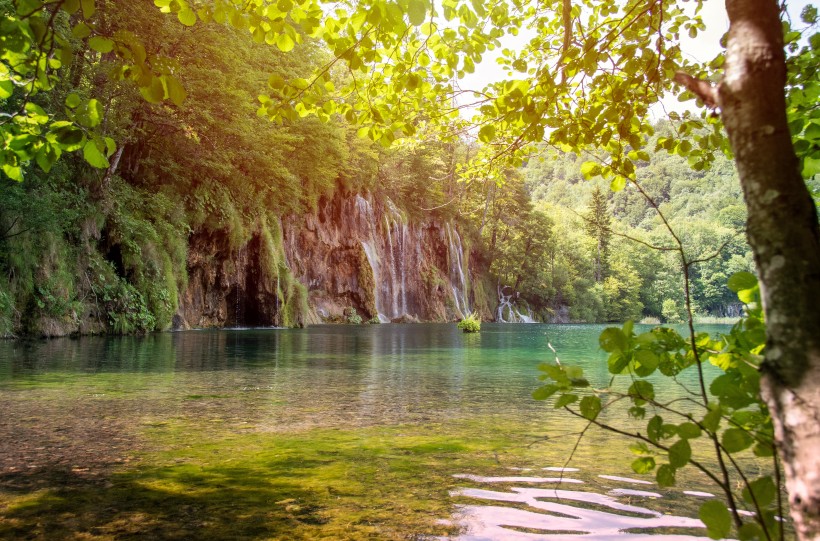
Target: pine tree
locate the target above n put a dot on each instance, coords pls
(598, 227)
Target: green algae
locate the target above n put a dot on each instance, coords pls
(379, 482)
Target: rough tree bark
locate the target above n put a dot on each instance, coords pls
(784, 236)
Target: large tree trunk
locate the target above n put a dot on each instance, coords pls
(783, 234)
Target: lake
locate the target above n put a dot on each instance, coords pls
(395, 431)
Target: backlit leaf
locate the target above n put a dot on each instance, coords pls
(717, 519)
(665, 476)
(680, 453)
(93, 155)
(590, 407)
(735, 440)
(565, 400)
(101, 44)
(644, 464)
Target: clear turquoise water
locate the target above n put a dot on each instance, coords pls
(343, 377)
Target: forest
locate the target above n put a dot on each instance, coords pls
(106, 250)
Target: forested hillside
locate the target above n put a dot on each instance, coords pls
(600, 262)
(199, 215)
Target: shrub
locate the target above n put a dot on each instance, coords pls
(352, 317)
(470, 323)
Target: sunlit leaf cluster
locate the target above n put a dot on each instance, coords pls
(39, 38)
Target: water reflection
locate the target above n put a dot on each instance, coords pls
(529, 513)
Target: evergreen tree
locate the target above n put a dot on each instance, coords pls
(598, 227)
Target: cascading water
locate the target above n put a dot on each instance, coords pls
(237, 308)
(507, 311)
(366, 220)
(455, 255)
(396, 251)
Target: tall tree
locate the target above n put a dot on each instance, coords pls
(597, 223)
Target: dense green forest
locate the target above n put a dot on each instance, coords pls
(107, 247)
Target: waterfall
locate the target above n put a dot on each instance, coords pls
(507, 305)
(455, 255)
(397, 252)
(278, 321)
(373, 260)
(238, 307)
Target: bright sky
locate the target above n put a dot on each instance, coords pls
(703, 48)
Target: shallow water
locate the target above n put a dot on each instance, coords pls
(428, 379)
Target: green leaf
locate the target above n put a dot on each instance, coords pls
(285, 43)
(73, 100)
(486, 133)
(153, 92)
(644, 464)
(67, 136)
(71, 6)
(763, 450)
(654, 428)
(612, 339)
(617, 362)
(110, 146)
(617, 184)
(565, 400)
(665, 476)
(717, 519)
(641, 390)
(176, 91)
(187, 17)
(735, 440)
(750, 532)
(88, 8)
(679, 454)
(590, 407)
(646, 362)
(763, 490)
(811, 167)
(46, 157)
(417, 12)
(637, 412)
(14, 172)
(6, 89)
(101, 44)
(742, 280)
(93, 155)
(544, 392)
(590, 169)
(81, 31)
(689, 431)
(90, 114)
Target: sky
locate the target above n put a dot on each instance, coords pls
(702, 49)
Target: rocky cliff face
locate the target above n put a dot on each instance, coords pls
(248, 286)
(367, 254)
(353, 252)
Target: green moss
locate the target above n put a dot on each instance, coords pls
(377, 482)
(367, 285)
(484, 297)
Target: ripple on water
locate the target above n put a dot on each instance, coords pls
(536, 513)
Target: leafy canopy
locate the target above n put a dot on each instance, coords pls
(586, 77)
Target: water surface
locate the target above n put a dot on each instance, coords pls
(436, 400)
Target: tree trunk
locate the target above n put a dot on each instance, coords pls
(783, 233)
